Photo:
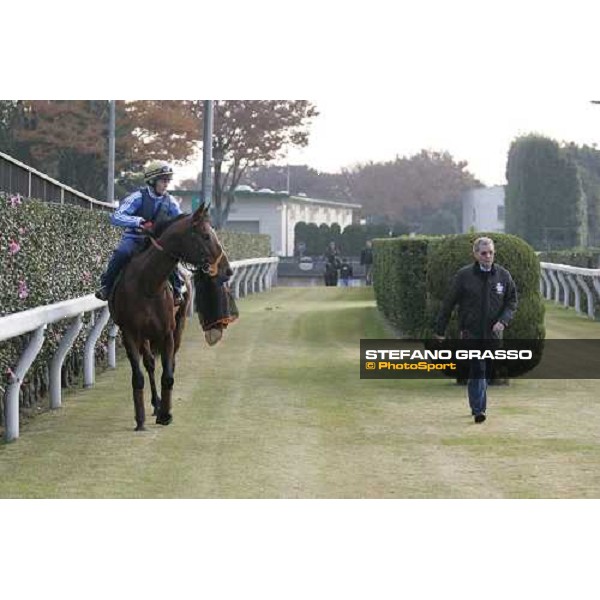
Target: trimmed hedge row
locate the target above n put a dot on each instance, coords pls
(51, 252)
(240, 246)
(399, 279)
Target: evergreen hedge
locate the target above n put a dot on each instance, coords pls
(399, 278)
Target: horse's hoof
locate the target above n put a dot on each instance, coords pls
(140, 428)
(164, 419)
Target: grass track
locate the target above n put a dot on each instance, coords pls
(277, 410)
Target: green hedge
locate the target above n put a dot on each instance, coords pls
(240, 246)
(51, 252)
(588, 258)
(399, 278)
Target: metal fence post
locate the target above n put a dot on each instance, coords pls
(90, 346)
(59, 358)
(11, 403)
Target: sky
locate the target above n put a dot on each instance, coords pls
(476, 130)
(472, 128)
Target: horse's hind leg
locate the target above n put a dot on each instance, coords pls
(137, 381)
(166, 383)
(150, 364)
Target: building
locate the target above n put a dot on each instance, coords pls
(483, 209)
(276, 214)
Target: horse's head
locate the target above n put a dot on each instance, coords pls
(193, 240)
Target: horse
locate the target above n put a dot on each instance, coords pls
(142, 305)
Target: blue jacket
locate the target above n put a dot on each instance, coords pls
(143, 205)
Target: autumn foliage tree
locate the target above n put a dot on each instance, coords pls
(411, 189)
(249, 132)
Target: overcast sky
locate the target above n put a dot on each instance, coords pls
(472, 128)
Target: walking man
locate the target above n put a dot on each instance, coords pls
(487, 300)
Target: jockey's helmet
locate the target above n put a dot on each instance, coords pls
(157, 169)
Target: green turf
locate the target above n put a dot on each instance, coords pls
(277, 410)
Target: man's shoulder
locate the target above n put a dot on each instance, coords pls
(503, 271)
(464, 271)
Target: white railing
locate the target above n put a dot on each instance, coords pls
(566, 284)
(249, 276)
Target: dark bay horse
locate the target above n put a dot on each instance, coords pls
(142, 303)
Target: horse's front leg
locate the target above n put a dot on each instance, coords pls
(166, 382)
(150, 364)
(137, 380)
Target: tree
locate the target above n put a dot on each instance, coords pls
(249, 132)
(410, 189)
(544, 195)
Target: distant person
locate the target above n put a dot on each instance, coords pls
(301, 250)
(332, 264)
(487, 300)
(345, 273)
(366, 259)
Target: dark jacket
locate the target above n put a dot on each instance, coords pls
(366, 256)
(483, 299)
(345, 271)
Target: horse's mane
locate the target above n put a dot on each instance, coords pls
(162, 226)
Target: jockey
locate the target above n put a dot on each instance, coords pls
(137, 213)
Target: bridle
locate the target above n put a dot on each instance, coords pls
(208, 268)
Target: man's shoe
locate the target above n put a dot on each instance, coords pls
(480, 418)
(102, 293)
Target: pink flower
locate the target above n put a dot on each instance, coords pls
(14, 200)
(23, 290)
(22, 231)
(86, 275)
(13, 247)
